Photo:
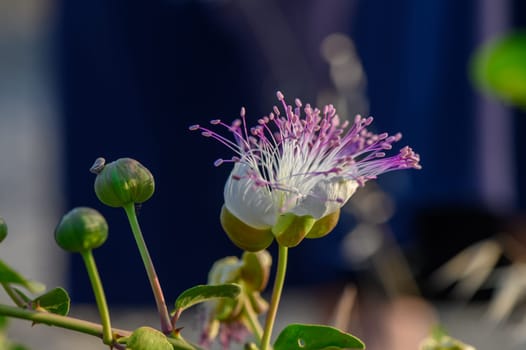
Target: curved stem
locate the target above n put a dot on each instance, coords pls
(65, 322)
(166, 324)
(100, 297)
(252, 319)
(14, 295)
(276, 296)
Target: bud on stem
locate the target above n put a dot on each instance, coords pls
(82, 229)
(122, 182)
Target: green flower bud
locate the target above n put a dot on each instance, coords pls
(325, 225)
(225, 270)
(3, 229)
(290, 229)
(256, 269)
(122, 182)
(255, 273)
(81, 229)
(147, 338)
(245, 237)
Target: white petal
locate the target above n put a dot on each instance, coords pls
(323, 198)
(249, 203)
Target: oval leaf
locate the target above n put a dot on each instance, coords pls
(147, 338)
(56, 301)
(201, 293)
(315, 337)
(8, 275)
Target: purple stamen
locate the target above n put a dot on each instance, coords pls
(293, 153)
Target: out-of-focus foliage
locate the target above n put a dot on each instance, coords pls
(498, 67)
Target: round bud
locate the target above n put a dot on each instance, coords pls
(122, 182)
(245, 237)
(325, 225)
(255, 271)
(147, 338)
(81, 229)
(3, 229)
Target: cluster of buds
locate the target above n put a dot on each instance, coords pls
(230, 318)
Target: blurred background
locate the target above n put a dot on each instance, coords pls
(81, 80)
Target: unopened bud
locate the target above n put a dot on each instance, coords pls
(255, 271)
(122, 182)
(226, 270)
(81, 229)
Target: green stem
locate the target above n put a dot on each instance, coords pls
(252, 319)
(14, 295)
(166, 324)
(279, 281)
(100, 297)
(65, 322)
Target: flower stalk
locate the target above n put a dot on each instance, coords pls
(100, 297)
(252, 318)
(166, 323)
(276, 296)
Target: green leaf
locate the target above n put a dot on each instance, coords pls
(147, 338)
(8, 275)
(315, 337)
(202, 293)
(56, 301)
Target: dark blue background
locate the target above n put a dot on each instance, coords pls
(135, 74)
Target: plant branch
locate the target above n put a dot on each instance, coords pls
(65, 322)
(100, 297)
